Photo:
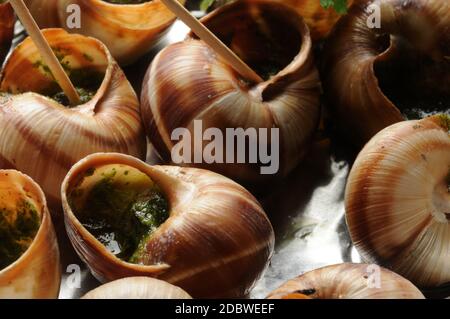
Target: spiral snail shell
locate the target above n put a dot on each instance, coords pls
(42, 137)
(376, 74)
(128, 30)
(212, 238)
(348, 281)
(6, 29)
(137, 288)
(188, 82)
(29, 255)
(398, 200)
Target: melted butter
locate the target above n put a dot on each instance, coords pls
(18, 227)
(121, 206)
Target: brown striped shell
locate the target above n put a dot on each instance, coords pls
(398, 200)
(348, 281)
(216, 242)
(41, 137)
(129, 31)
(37, 273)
(137, 288)
(187, 81)
(367, 71)
(6, 29)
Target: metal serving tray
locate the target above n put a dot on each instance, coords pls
(306, 209)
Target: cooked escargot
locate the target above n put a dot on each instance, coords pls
(387, 61)
(6, 29)
(29, 255)
(398, 200)
(137, 288)
(128, 28)
(348, 281)
(41, 136)
(192, 228)
(188, 83)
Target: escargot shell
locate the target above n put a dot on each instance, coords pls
(137, 288)
(369, 68)
(398, 202)
(36, 273)
(42, 137)
(348, 281)
(188, 82)
(128, 30)
(216, 242)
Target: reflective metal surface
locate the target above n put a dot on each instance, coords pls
(306, 209)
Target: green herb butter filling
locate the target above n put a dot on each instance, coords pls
(18, 227)
(121, 206)
(86, 80)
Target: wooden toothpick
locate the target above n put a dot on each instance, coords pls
(209, 38)
(46, 51)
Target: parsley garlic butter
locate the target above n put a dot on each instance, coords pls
(29, 254)
(186, 226)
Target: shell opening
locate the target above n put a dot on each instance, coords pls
(20, 219)
(415, 83)
(83, 59)
(264, 36)
(86, 82)
(411, 71)
(120, 206)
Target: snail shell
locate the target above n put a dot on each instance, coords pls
(360, 59)
(41, 137)
(187, 81)
(347, 281)
(216, 242)
(137, 288)
(36, 273)
(129, 31)
(6, 29)
(398, 201)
